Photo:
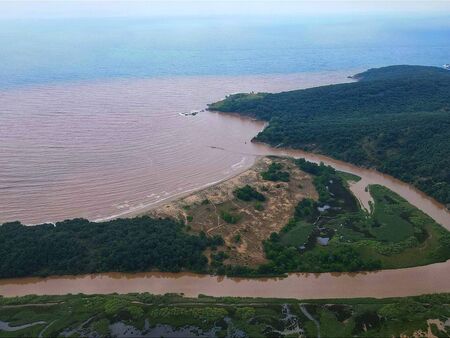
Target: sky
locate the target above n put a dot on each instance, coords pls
(105, 8)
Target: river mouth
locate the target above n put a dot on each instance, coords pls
(101, 150)
(119, 148)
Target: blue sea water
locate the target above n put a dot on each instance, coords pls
(36, 51)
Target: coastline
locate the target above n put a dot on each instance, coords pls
(368, 175)
(100, 176)
(146, 209)
(419, 199)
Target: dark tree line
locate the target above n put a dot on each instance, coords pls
(79, 246)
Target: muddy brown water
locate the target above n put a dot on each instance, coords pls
(104, 150)
(387, 283)
(109, 149)
(118, 148)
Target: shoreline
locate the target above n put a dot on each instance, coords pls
(156, 281)
(181, 195)
(106, 208)
(357, 188)
(115, 178)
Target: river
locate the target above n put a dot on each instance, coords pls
(387, 283)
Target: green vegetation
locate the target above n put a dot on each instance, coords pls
(334, 234)
(248, 193)
(275, 173)
(400, 72)
(229, 217)
(237, 238)
(348, 177)
(178, 315)
(390, 225)
(259, 206)
(79, 246)
(395, 119)
(173, 315)
(217, 259)
(297, 234)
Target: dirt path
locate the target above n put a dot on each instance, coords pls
(4, 326)
(308, 315)
(41, 334)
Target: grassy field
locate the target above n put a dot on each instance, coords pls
(391, 223)
(348, 177)
(170, 315)
(298, 235)
(404, 235)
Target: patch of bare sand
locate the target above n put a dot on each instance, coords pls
(243, 240)
(440, 326)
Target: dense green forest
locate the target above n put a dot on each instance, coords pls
(147, 315)
(396, 119)
(79, 246)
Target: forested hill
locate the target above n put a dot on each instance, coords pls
(400, 72)
(396, 119)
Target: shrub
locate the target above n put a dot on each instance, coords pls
(248, 193)
(274, 173)
(229, 217)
